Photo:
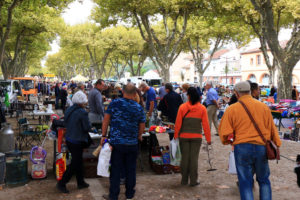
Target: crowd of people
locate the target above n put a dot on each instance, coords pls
(191, 109)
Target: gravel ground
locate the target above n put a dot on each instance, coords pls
(213, 185)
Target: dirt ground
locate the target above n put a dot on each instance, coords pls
(217, 184)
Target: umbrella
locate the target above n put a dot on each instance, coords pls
(79, 78)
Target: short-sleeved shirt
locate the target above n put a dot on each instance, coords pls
(150, 96)
(126, 115)
(211, 95)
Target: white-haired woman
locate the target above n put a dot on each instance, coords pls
(77, 138)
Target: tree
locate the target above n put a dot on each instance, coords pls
(6, 7)
(211, 32)
(269, 17)
(31, 32)
(145, 14)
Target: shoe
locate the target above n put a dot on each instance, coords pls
(216, 134)
(122, 181)
(195, 184)
(62, 188)
(82, 186)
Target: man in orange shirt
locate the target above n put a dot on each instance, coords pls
(249, 148)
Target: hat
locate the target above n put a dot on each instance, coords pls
(118, 85)
(243, 86)
(79, 98)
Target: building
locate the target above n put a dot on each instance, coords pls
(254, 68)
(224, 67)
(184, 70)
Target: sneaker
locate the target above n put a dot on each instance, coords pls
(82, 186)
(195, 184)
(62, 188)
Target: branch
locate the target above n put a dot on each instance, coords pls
(139, 25)
(213, 52)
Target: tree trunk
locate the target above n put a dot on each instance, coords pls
(201, 78)
(284, 82)
(165, 71)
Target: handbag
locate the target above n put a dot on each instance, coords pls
(231, 165)
(272, 150)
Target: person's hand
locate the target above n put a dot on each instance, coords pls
(209, 143)
(140, 138)
(102, 140)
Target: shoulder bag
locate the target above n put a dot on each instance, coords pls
(272, 150)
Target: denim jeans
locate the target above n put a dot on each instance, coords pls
(250, 159)
(123, 157)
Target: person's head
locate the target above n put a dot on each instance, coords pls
(80, 86)
(242, 89)
(129, 91)
(100, 84)
(168, 87)
(294, 86)
(208, 85)
(144, 87)
(65, 87)
(79, 98)
(255, 91)
(193, 95)
(118, 86)
(185, 87)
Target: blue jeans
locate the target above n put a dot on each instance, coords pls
(123, 157)
(250, 159)
(56, 102)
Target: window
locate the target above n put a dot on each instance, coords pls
(265, 79)
(251, 61)
(258, 59)
(252, 78)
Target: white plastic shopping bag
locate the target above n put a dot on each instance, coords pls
(175, 154)
(104, 161)
(232, 167)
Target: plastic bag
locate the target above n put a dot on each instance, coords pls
(104, 161)
(232, 167)
(175, 154)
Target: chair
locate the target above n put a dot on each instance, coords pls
(30, 134)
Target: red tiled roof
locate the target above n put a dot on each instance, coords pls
(218, 54)
(257, 50)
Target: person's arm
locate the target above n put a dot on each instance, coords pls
(225, 127)
(178, 122)
(105, 124)
(151, 108)
(141, 130)
(274, 131)
(205, 125)
(216, 103)
(86, 125)
(99, 104)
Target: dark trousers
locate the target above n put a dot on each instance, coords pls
(56, 102)
(190, 149)
(123, 157)
(76, 166)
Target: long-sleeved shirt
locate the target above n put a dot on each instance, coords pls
(197, 115)
(169, 105)
(236, 121)
(95, 102)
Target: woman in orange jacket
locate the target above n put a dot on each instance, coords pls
(191, 117)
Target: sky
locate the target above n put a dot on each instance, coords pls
(76, 13)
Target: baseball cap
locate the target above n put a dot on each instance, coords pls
(242, 86)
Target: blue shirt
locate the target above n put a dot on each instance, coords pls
(162, 92)
(211, 95)
(150, 96)
(126, 115)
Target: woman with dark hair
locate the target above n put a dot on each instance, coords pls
(191, 117)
